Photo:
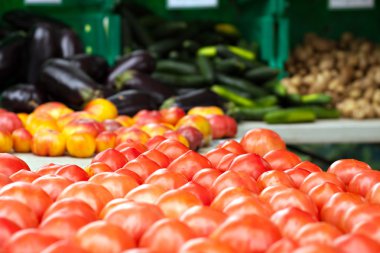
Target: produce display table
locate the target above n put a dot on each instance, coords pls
(36, 162)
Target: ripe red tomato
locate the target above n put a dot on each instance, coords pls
(7, 229)
(93, 194)
(228, 195)
(172, 115)
(111, 205)
(320, 194)
(160, 158)
(138, 250)
(130, 173)
(166, 235)
(370, 228)
(318, 232)
(309, 166)
(130, 153)
(100, 236)
(267, 193)
(70, 206)
(29, 240)
(316, 248)
(189, 163)
(26, 176)
(49, 169)
(373, 196)
(232, 146)
(206, 177)
(261, 141)
(274, 177)
(291, 220)
(317, 178)
(112, 158)
(363, 182)
(97, 167)
(10, 164)
(237, 233)
(215, 155)
(203, 220)
(63, 246)
(358, 214)
(142, 166)
(72, 172)
(153, 142)
(146, 193)
(4, 180)
(199, 191)
(248, 205)
(282, 159)
(233, 179)
(225, 162)
(284, 245)
(9, 121)
(18, 212)
(167, 179)
(175, 202)
(132, 144)
(251, 164)
(298, 175)
(52, 184)
(117, 184)
(204, 245)
(351, 243)
(172, 148)
(31, 195)
(134, 217)
(346, 169)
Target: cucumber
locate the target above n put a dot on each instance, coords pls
(269, 100)
(247, 113)
(277, 88)
(230, 65)
(209, 51)
(242, 52)
(315, 99)
(180, 80)
(290, 115)
(170, 29)
(164, 46)
(241, 84)
(261, 74)
(231, 96)
(205, 67)
(190, 45)
(175, 67)
(323, 113)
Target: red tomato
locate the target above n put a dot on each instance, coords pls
(10, 164)
(100, 236)
(363, 182)
(9, 121)
(18, 212)
(261, 141)
(29, 240)
(199, 191)
(131, 174)
(297, 175)
(172, 115)
(228, 195)
(316, 248)
(138, 250)
(346, 169)
(117, 184)
(7, 229)
(52, 184)
(97, 167)
(130, 153)
(232, 146)
(225, 162)
(172, 148)
(166, 235)
(237, 233)
(155, 141)
(358, 214)
(252, 164)
(284, 245)
(370, 228)
(111, 205)
(95, 195)
(248, 205)
(132, 144)
(215, 155)
(189, 163)
(282, 159)
(233, 179)
(206, 177)
(146, 193)
(112, 158)
(72, 172)
(373, 195)
(175, 202)
(293, 198)
(204, 245)
(31, 195)
(334, 209)
(203, 220)
(26, 176)
(4, 180)
(274, 177)
(320, 194)
(63, 226)
(49, 169)
(318, 232)
(317, 178)
(309, 166)
(167, 179)
(160, 158)
(70, 206)
(291, 220)
(352, 243)
(135, 218)
(63, 246)
(267, 193)
(142, 166)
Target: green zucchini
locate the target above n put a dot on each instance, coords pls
(231, 96)
(261, 74)
(323, 113)
(277, 88)
(241, 84)
(175, 67)
(315, 99)
(209, 51)
(290, 115)
(163, 46)
(242, 52)
(250, 113)
(230, 65)
(269, 100)
(173, 80)
(205, 67)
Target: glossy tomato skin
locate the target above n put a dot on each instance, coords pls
(358, 214)
(4, 180)
(260, 141)
(274, 177)
(112, 158)
(73, 173)
(228, 195)
(7, 229)
(233, 179)
(356, 243)
(215, 155)
(252, 164)
(248, 205)
(267, 193)
(70, 206)
(167, 179)
(320, 194)
(206, 177)
(317, 178)
(205, 245)
(117, 184)
(297, 175)
(23, 175)
(309, 166)
(18, 212)
(142, 166)
(52, 184)
(346, 169)
(282, 159)
(111, 205)
(225, 161)
(318, 232)
(9, 164)
(316, 248)
(369, 228)
(63, 246)
(160, 158)
(232, 146)
(284, 245)
(172, 148)
(363, 182)
(146, 193)
(199, 191)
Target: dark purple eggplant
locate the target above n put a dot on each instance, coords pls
(139, 60)
(94, 66)
(67, 83)
(129, 102)
(42, 46)
(21, 98)
(133, 79)
(69, 43)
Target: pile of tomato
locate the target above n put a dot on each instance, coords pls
(251, 195)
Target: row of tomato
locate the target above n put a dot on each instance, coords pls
(247, 196)
(53, 129)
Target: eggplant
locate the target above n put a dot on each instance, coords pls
(42, 46)
(132, 79)
(21, 98)
(139, 60)
(94, 66)
(69, 43)
(129, 102)
(12, 58)
(68, 84)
